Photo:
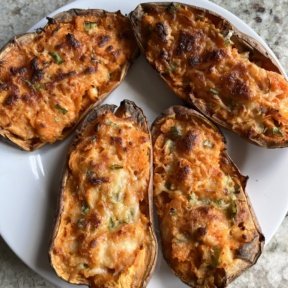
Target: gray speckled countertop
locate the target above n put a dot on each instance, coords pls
(269, 19)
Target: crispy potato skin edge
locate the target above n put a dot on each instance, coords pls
(245, 40)
(139, 118)
(181, 110)
(62, 17)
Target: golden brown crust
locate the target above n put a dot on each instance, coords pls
(225, 74)
(104, 218)
(209, 231)
(61, 72)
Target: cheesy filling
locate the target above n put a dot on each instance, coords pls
(204, 215)
(103, 231)
(48, 80)
(200, 62)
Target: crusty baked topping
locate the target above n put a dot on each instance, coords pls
(198, 59)
(50, 78)
(209, 234)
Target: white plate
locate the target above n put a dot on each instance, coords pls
(29, 181)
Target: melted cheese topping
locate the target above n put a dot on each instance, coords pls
(200, 63)
(49, 79)
(103, 234)
(205, 220)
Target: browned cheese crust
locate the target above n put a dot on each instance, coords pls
(50, 79)
(103, 236)
(208, 229)
(208, 63)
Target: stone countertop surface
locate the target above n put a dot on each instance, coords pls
(270, 21)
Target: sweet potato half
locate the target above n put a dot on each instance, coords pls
(209, 232)
(103, 236)
(207, 62)
(51, 78)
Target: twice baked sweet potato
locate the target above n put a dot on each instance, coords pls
(207, 62)
(51, 78)
(103, 236)
(209, 232)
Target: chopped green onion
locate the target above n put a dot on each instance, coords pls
(180, 238)
(28, 83)
(215, 256)
(227, 38)
(116, 196)
(169, 146)
(81, 223)
(220, 203)
(200, 16)
(89, 25)
(83, 266)
(38, 86)
(61, 109)
(111, 123)
(116, 167)
(260, 128)
(214, 91)
(169, 185)
(206, 201)
(130, 216)
(172, 8)
(112, 223)
(35, 87)
(89, 173)
(229, 184)
(132, 213)
(232, 210)
(193, 199)
(85, 208)
(277, 131)
(174, 132)
(56, 57)
(172, 67)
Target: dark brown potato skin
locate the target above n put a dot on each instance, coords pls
(127, 109)
(245, 255)
(189, 64)
(32, 92)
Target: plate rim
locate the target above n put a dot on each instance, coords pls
(214, 7)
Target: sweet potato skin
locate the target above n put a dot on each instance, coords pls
(209, 231)
(51, 78)
(226, 75)
(87, 226)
